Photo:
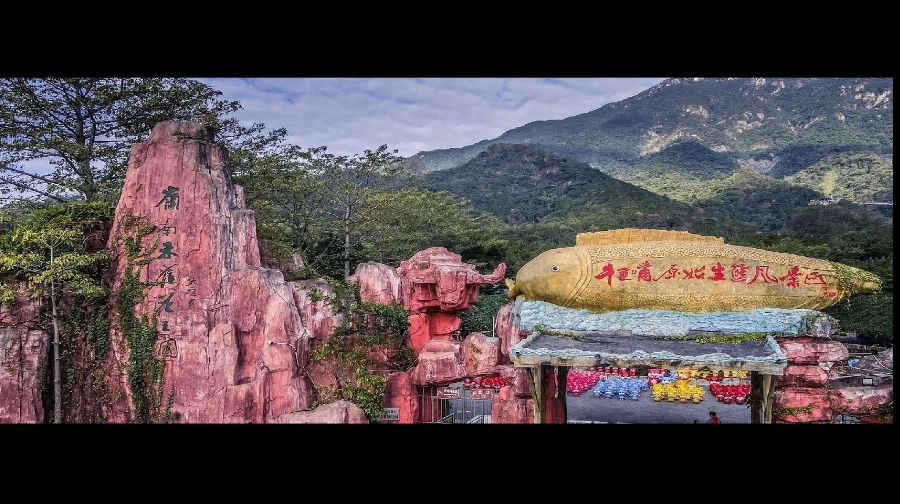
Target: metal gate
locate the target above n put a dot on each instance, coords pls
(451, 405)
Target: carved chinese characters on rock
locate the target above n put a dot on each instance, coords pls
(167, 279)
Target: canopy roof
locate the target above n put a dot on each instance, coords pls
(614, 349)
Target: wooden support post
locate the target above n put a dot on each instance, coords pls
(537, 392)
(768, 395)
(562, 372)
(548, 394)
(756, 397)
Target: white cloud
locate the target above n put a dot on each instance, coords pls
(350, 115)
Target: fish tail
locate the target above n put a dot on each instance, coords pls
(869, 287)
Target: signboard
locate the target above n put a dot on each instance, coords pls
(481, 393)
(448, 393)
(391, 414)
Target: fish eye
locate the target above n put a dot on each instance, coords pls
(554, 268)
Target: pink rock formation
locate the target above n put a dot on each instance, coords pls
(228, 330)
(802, 405)
(23, 352)
(440, 363)
(860, 401)
(520, 387)
(234, 337)
(316, 314)
(424, 327)
(508, 329)
(480, 354)
(869, 403)
(338, 412)
(812, 350)
(436, 279)
(25, 311)
(378, 283)
(401, 394)
(507, 409)
(434, 286)
(802, 375)
(808, 386)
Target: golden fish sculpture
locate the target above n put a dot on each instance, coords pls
(674, 270)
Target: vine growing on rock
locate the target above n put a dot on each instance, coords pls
(369, 340)
(85, 362)
(145, 371)
(792, 411)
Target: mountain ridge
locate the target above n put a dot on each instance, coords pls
(785, 128)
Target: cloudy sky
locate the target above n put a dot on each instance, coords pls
(351, 115)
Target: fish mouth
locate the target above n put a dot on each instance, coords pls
(552, 276)
(512, 288)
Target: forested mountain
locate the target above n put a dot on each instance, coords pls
(554, 198)
(521, 184)
(685, 138)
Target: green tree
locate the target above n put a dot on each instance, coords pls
(51, 254)
(305, 203)
(290, 205)
(871, 317)
(351, 182)
(403, 222)
(69, 138)
(319, 203)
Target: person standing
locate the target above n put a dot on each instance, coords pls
(713, 418)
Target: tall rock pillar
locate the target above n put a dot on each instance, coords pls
(201, 333)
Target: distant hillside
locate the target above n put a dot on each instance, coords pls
(550, 199)
(523, 185)
(676, 137)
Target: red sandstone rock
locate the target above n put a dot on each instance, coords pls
(436, 279)
(509, 409)
(802, 376)
(507, 372)
(419, 331)
(24, 312)
(810, 359)
(861, 400)
(424, 327)
(438, 346)
(402, 394)
(378, 283)
(440, 363)
(508, 329)
(23, 353)
(311, 297)
(215, 308)
(338, 412)
(233, 334)
(812, 350)
(521, 386)
(806, 405)
(480, 354)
